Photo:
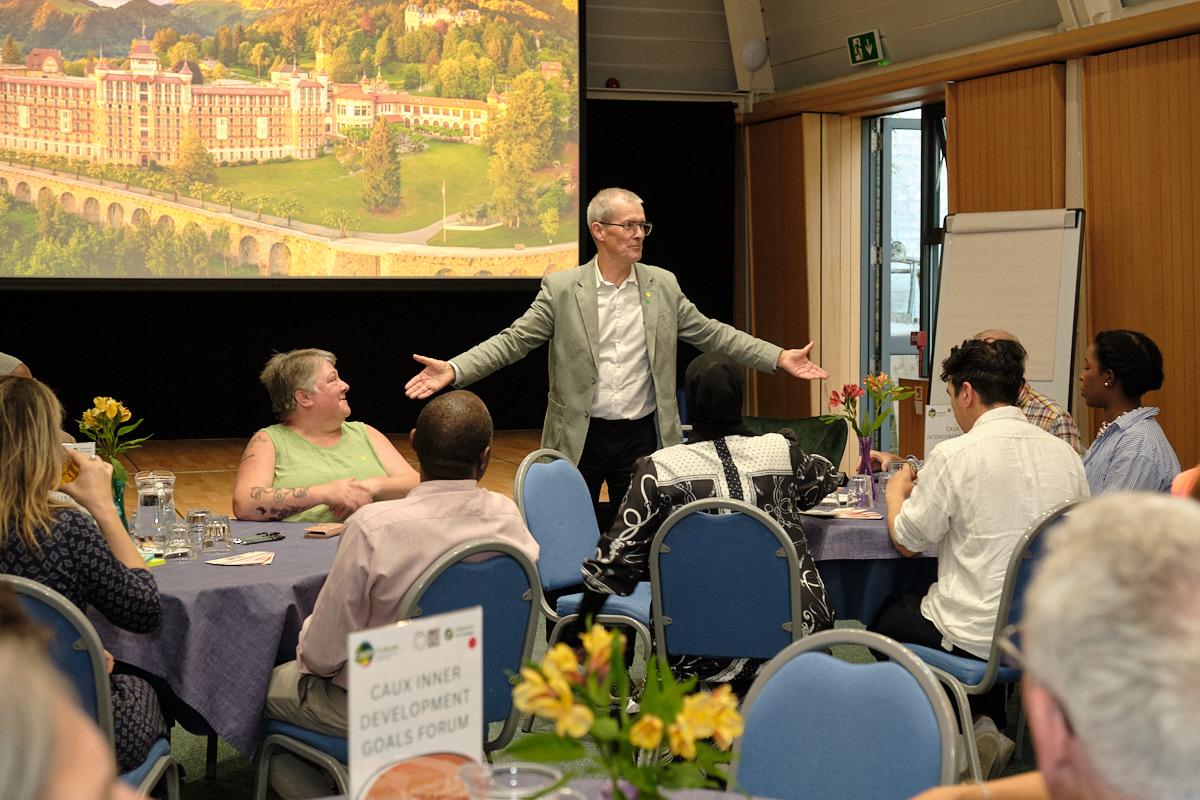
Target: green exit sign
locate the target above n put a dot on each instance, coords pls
(865, 48)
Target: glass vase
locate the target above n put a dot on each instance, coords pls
(118, 490)
(864, 462)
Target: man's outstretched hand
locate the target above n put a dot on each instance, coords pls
(795, 362)
(436, 376)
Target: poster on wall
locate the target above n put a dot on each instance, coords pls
(304, 139)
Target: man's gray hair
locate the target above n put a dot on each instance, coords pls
(600, 209)
(287, 372)
(1112, 630)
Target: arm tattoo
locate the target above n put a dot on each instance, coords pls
(278, 495)
(259, 438)
(277, 514)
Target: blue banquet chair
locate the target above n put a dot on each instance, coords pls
(817, 727)
(725, 582)
(557, 508)
(508, 589)
(965, 676)
(77, 652)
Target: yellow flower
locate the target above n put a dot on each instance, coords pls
(561, 660)
(683, 740)
(112, 408)
(89, 419)
(727, 722)
(550, 696)
(100, 402)
(534, 694)
(125, 415)
(647, 732)
(574, 721)
(703, 715)
(598, 644)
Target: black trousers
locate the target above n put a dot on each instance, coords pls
(609, 453)
(903, 621)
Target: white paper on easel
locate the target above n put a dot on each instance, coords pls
(415, 706)
(940, 425)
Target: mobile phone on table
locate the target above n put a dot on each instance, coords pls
(259, 538)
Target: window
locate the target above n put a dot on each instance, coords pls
(905, 197)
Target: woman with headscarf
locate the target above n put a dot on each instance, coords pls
(722, 458)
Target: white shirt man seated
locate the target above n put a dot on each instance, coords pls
(975, 496)
(1111, 650)
(384, 548)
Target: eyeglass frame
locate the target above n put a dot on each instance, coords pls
(1010, 649)
(645, 226)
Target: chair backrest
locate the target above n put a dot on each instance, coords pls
(818, 727)
(814, 436)
(1021, 564)
(75, 649)
(508, 589)
(557, 508)
(724, 585)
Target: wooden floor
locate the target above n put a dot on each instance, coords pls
(205, 469)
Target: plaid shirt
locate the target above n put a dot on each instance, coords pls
(1049, 416)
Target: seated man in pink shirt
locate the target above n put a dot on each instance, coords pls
(384, 548)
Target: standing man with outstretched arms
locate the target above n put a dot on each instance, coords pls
(612, 369)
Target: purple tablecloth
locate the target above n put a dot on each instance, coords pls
(225, 628)
(861, 568)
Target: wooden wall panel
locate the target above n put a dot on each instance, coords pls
(1006, 141)
(778, 255)
(1141, 142)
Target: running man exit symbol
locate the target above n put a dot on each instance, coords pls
(865, 48)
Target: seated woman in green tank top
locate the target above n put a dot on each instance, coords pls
(314, 466)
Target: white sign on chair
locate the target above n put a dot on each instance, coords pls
(416, 705)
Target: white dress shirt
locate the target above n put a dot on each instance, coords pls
(976, 495)
(625, 388)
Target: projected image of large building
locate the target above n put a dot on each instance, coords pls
(455, 154)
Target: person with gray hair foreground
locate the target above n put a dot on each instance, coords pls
(50, 749)
(314, 466)
(1111, 641)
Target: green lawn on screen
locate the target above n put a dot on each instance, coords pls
(323, 183)
(505, 236)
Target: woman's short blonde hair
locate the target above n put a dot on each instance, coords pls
(31, 459)
(287, 372)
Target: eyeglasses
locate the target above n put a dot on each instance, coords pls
(1008, 646)
(632, 227)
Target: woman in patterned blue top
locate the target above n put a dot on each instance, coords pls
(87, 557)
(1130, 452)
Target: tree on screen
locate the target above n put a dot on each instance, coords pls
(194, 164)
(11, 54)
(381, 170)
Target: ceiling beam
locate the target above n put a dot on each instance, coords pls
(745, 21)
(910, 84)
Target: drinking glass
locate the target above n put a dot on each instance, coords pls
(195, 521)
(177, 546)
(217, 537)
(859, 493)
(507, 781)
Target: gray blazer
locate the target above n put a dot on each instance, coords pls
(565, 313)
